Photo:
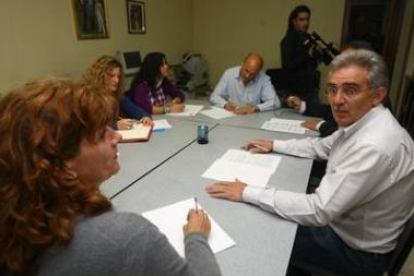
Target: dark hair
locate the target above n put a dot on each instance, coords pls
(150, 70)
(294, 14)
(42, 125)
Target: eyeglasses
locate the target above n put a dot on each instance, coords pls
(348, 90)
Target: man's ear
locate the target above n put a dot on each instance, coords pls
(379, 96)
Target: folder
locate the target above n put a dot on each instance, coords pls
(138, 133)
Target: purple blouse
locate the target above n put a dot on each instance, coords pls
(141, 95)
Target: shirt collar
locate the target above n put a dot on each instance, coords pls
(349, 130)
(238, 77)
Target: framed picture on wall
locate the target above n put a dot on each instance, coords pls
(90, 18)
(136, 17)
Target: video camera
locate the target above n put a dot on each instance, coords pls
(323, 51)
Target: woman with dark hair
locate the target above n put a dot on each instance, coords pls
(106, 73)
(55, 151)
(151, 87)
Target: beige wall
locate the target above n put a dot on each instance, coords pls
(224, 31)
(39, 39)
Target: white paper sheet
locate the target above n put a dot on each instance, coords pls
(161, 124)
(217, 113)
(253, 169)
(190, 110)
(171, 219)
(284, 125)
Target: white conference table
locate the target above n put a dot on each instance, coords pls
(263, 241)
(138, 159)
(254, 121)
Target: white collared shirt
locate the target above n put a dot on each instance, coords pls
(367, 193)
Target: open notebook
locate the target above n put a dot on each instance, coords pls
(138, 133)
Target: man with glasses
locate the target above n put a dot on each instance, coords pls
(351, 223)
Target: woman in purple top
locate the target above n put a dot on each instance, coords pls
(150, 88)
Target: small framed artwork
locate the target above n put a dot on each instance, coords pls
(90, 18)
(136, 17)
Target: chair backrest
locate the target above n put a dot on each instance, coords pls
(403, 249)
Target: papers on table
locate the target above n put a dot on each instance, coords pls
(283, 125)
(171, 219)
(160, 125)
(190, 110)
(251, 168)
(217, 113)
(138, 133)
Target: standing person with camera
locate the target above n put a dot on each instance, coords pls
(298, 60)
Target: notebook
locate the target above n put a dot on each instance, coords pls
(138, 133)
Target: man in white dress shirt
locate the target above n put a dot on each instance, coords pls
(352, 222)
(246, 89)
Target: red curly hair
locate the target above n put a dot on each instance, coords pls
(42, 125)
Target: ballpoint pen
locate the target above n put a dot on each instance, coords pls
(261, 147)
(196, 203)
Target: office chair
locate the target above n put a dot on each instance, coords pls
(403, 249)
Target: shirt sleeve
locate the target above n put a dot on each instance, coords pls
(132, 110)
(268, 97)
(219, 96)
(173, 91)
(341, 189)
(140, 97)
(151, 254)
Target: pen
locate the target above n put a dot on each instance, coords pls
(196, 204)
(260, 147)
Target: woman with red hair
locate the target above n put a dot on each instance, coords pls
(55, 151)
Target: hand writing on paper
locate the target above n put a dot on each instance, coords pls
(198, 222)
(231, 190)
(245, 109)
(259, 146)
(146, 121)
(229, 106)
(176, 108)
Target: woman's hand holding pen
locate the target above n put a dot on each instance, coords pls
(259, 146)
(177, 107)
(198, 222)
(146, 121)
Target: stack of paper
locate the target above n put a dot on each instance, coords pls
(161, 125)
(217, 113)
(171, 219)
(138, 133)
(283, 125)
(190, 110)
(251, 168)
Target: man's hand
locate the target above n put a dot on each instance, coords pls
(259, 146)
(311, 124)
(230, 106)
(231, 190)
(246, 109)
(294, 102)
